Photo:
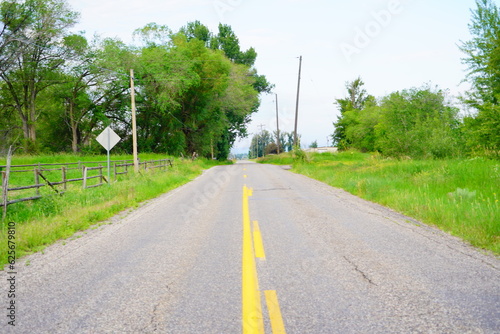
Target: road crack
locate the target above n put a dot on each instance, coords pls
(361, 272)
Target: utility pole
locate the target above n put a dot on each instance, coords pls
(295, 141)
(261, 126)
(134, 127)
(277, 124)
(212, 147)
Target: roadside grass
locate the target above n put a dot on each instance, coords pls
(42, 222)
(459, 196)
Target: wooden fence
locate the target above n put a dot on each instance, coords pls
(58, 175)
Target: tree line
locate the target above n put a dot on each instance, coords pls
(423, 122)
(265, 143)
(194, 89)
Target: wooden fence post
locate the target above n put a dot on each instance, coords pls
(100, 174)
(37, 180)
(5, 183)
(63, 170)
(84, 184)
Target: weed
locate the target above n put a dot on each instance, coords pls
(43, 222)
(457, 195)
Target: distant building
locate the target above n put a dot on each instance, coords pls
(322, 150)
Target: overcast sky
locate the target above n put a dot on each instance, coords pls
(392, 44)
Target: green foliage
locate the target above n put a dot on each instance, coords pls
(259, 143)
(460, 196)
(271, 148)
(41, 28)
(195, 90)
(482, 132)
(419, 123)
(300, 155)
(355, 100)
(415, 123)
(482, 56)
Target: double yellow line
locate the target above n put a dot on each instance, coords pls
(252, 319)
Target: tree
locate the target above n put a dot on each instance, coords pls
(289, 141)
(314, 144)
(482, 56)
(88, 89)
(282, 140)
(483, 52)
(14, 18)
(259, 143)
(271, 148)
(195, 90)
(197, 30)
(361, 130)
(417, 123)
(192, 98)
(35, 68)
(355, 101)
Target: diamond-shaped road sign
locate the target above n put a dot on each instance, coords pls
(108, 138)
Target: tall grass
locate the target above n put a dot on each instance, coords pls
(460, 196)
(42, 222)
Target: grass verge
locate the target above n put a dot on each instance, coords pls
(459, 196)
(42, 222)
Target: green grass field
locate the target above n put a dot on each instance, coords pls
(42, 222)
(459, 196)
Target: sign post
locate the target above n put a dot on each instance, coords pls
(108, 139)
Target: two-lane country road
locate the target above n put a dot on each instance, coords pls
(256, 248)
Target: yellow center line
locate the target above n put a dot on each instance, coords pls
(257, 241)
(275, 317)
(252, 321)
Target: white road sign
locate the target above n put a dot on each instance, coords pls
(108, 138)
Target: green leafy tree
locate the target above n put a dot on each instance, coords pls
(195, 90)
(197, 30)
(417, 123)
(282, 140)
(192, 98)
(289, 141)
(35, 68)
(259, 143)
(355, 101)
(482, 56)
(271, 148)
(15, 17)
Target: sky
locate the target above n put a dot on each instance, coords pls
(391, 44)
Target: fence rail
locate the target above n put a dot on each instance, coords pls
(83, 173)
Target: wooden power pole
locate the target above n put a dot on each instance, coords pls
(295, 141)
(134, 127)
(277, 124)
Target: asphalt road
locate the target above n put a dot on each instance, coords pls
(328, 262)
